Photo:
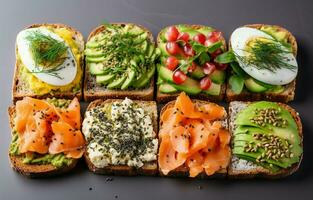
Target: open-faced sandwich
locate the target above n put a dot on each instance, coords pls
(121, 137)
(187, 62)
(263, 64)
(120, 62)
(48, 62)
(46, 136)
(266, 139)
(194, 140)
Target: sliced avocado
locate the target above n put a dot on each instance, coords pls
(96, 68)
(279, 35)
(166, 74)
(192, 32)
(145, 46)
(104, 79)
(198, 73)
(94, 53)
(190, 86)
(116, 83)
(253, 86)
(162, 47)
(135, 30)
(95, 59)
(145, 79)
(130, 77)
(150, 50)
(141, 38)
(277, 89)
(167, 88)
(214, 90)
(218, 76)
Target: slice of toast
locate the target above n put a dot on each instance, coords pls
(34, 170)
(148, 169)
(240, 168)
(93, 91)
(285, 96)
(183, 171)
(163, 97)
(20, 87)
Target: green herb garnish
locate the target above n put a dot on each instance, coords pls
(266, 55)
(46, 50)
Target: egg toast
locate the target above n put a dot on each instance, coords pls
(147, 168)
(136, 85)
(244, 168)
(26, 81)
(288, 92)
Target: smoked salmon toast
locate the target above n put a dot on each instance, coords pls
(46, 136)
(194, 140)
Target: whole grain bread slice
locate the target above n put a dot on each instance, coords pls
(20, 87)
(34, 170)
(249, 169)
(287, 95)
(183, 171)
(149, 168)
(163, 97)
(93, 91)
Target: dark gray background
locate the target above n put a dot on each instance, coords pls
(297, 16)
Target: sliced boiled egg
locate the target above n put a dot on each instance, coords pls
(240, 40)
(65, 72)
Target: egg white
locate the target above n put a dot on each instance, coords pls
(240, 37)
(68, 68)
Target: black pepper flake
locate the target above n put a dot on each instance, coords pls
(116, 196)
(90, 188)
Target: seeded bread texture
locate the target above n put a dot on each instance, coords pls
(287, 95)
(21, 89)
(240, 168)
(148, 169)
(183, 171)
(34, 170)
(93, 91)
(163, 98)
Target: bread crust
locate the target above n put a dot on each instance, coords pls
(289, 92)
(17, 81)
(163, 98)
(34, 170)
(92, 91)
(265, 173)
(183, 171)
(148, 169)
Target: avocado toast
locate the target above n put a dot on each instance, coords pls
(120, 62)
(267, 139)
(46, 136)
(50, 64)
(187, 62)
(121, 137)
(263, 64)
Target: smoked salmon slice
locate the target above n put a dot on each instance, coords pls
(43, 128)
(192, 134)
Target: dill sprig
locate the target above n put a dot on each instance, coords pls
(266, 55)
(51, 71)
(46, 50)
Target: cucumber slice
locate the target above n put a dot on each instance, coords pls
(167, 88)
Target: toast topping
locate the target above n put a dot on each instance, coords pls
(192, 134)
(267, 135)
(44, 133)
(187, 60)
(49, 59)
(120, 133)
(121, 56)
